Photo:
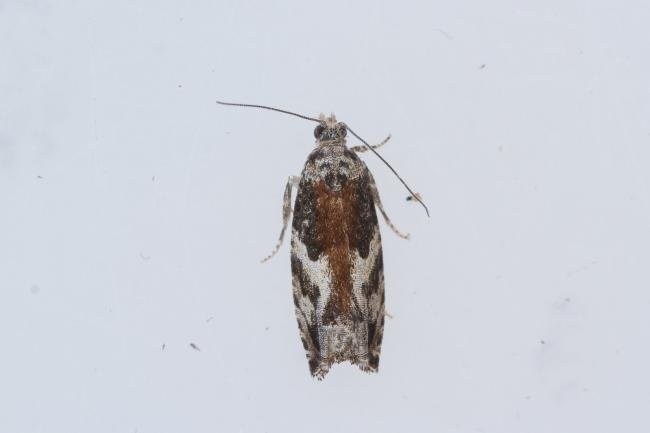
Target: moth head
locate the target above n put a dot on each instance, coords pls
(330, 131)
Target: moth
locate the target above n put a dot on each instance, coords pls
(336, 254)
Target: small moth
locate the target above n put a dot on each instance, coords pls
(336, 255)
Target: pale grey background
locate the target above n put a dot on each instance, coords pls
(134, 212)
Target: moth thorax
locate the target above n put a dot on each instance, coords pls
(335, 165)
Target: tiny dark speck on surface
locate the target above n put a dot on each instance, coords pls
(195, 347)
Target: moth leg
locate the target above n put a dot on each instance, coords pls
(375, 196)
(360, 149)
(286, 213)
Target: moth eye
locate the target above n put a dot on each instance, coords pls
(343, 132)
(318, 131)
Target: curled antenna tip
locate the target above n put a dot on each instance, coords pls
(413, 194)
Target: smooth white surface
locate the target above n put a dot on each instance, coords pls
(134, 212)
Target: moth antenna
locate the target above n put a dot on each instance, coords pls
(302, 116)
(417, 196)
(235, 104)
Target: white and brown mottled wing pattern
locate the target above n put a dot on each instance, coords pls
(336, 262)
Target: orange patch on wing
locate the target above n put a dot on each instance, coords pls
(336, 221)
